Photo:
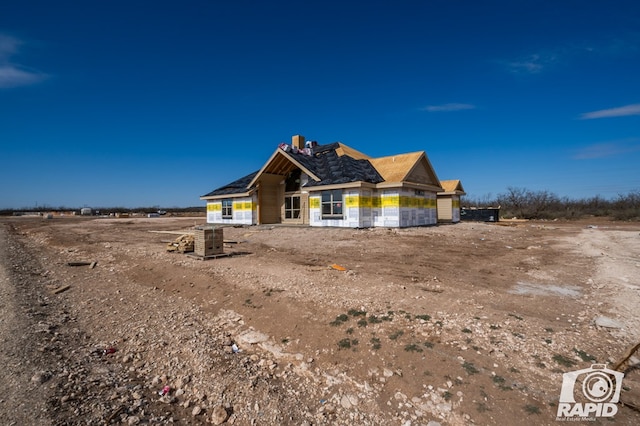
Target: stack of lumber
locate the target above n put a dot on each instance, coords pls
(183, 244)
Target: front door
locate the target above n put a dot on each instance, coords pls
(292, 207)
(296, 209)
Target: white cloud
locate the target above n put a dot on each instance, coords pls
(608, 149)
(542, 60)
(624, 45)
(13, 74)
(448, 107)
(633, 109)
(533, 64)
(528, 67)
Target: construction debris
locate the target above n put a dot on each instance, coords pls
(619, 366)
(183, 244)
(626, 364)
(61, 289)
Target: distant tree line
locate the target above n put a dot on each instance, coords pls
(105, 210)
(527, 204)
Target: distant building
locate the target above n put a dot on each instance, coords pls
(86, 211)
(330, 185)
(449, 201)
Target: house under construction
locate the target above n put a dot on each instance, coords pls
(333, 185)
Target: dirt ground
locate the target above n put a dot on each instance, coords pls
(472, 323)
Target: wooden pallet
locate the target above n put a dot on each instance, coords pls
(217, 256)
(211, 256)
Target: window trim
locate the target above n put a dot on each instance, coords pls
(227, 208)
(293, 209)
(333, 203)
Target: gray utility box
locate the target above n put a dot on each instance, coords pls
(208, 241)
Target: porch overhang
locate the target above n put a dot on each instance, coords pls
(281, 163)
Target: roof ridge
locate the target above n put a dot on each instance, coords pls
(404, 154)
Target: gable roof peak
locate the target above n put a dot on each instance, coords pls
(452, 186)
(395, 168)
(347, 150)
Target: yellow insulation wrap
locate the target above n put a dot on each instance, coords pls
(242, 205)
(351, 201)
(391, 201)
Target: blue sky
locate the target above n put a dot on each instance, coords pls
(145, 103)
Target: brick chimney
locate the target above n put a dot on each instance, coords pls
(297, 141)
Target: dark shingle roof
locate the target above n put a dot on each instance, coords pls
(325, 163)
(235, 187)
(333, 169)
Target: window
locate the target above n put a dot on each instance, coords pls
(292, 207)
(332, 204)
(227, 208)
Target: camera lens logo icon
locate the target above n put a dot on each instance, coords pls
(598, 387)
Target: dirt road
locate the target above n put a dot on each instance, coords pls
(456, 324)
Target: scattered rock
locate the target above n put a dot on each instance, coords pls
(344, 401)
(251, 337)
(168, 399)
(607, 323)
(196, 411)
(40, 377)
(219, 415)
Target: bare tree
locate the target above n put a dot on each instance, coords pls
(515, 200)
(540, 204)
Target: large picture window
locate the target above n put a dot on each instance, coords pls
(332, 204)
(227, 208)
